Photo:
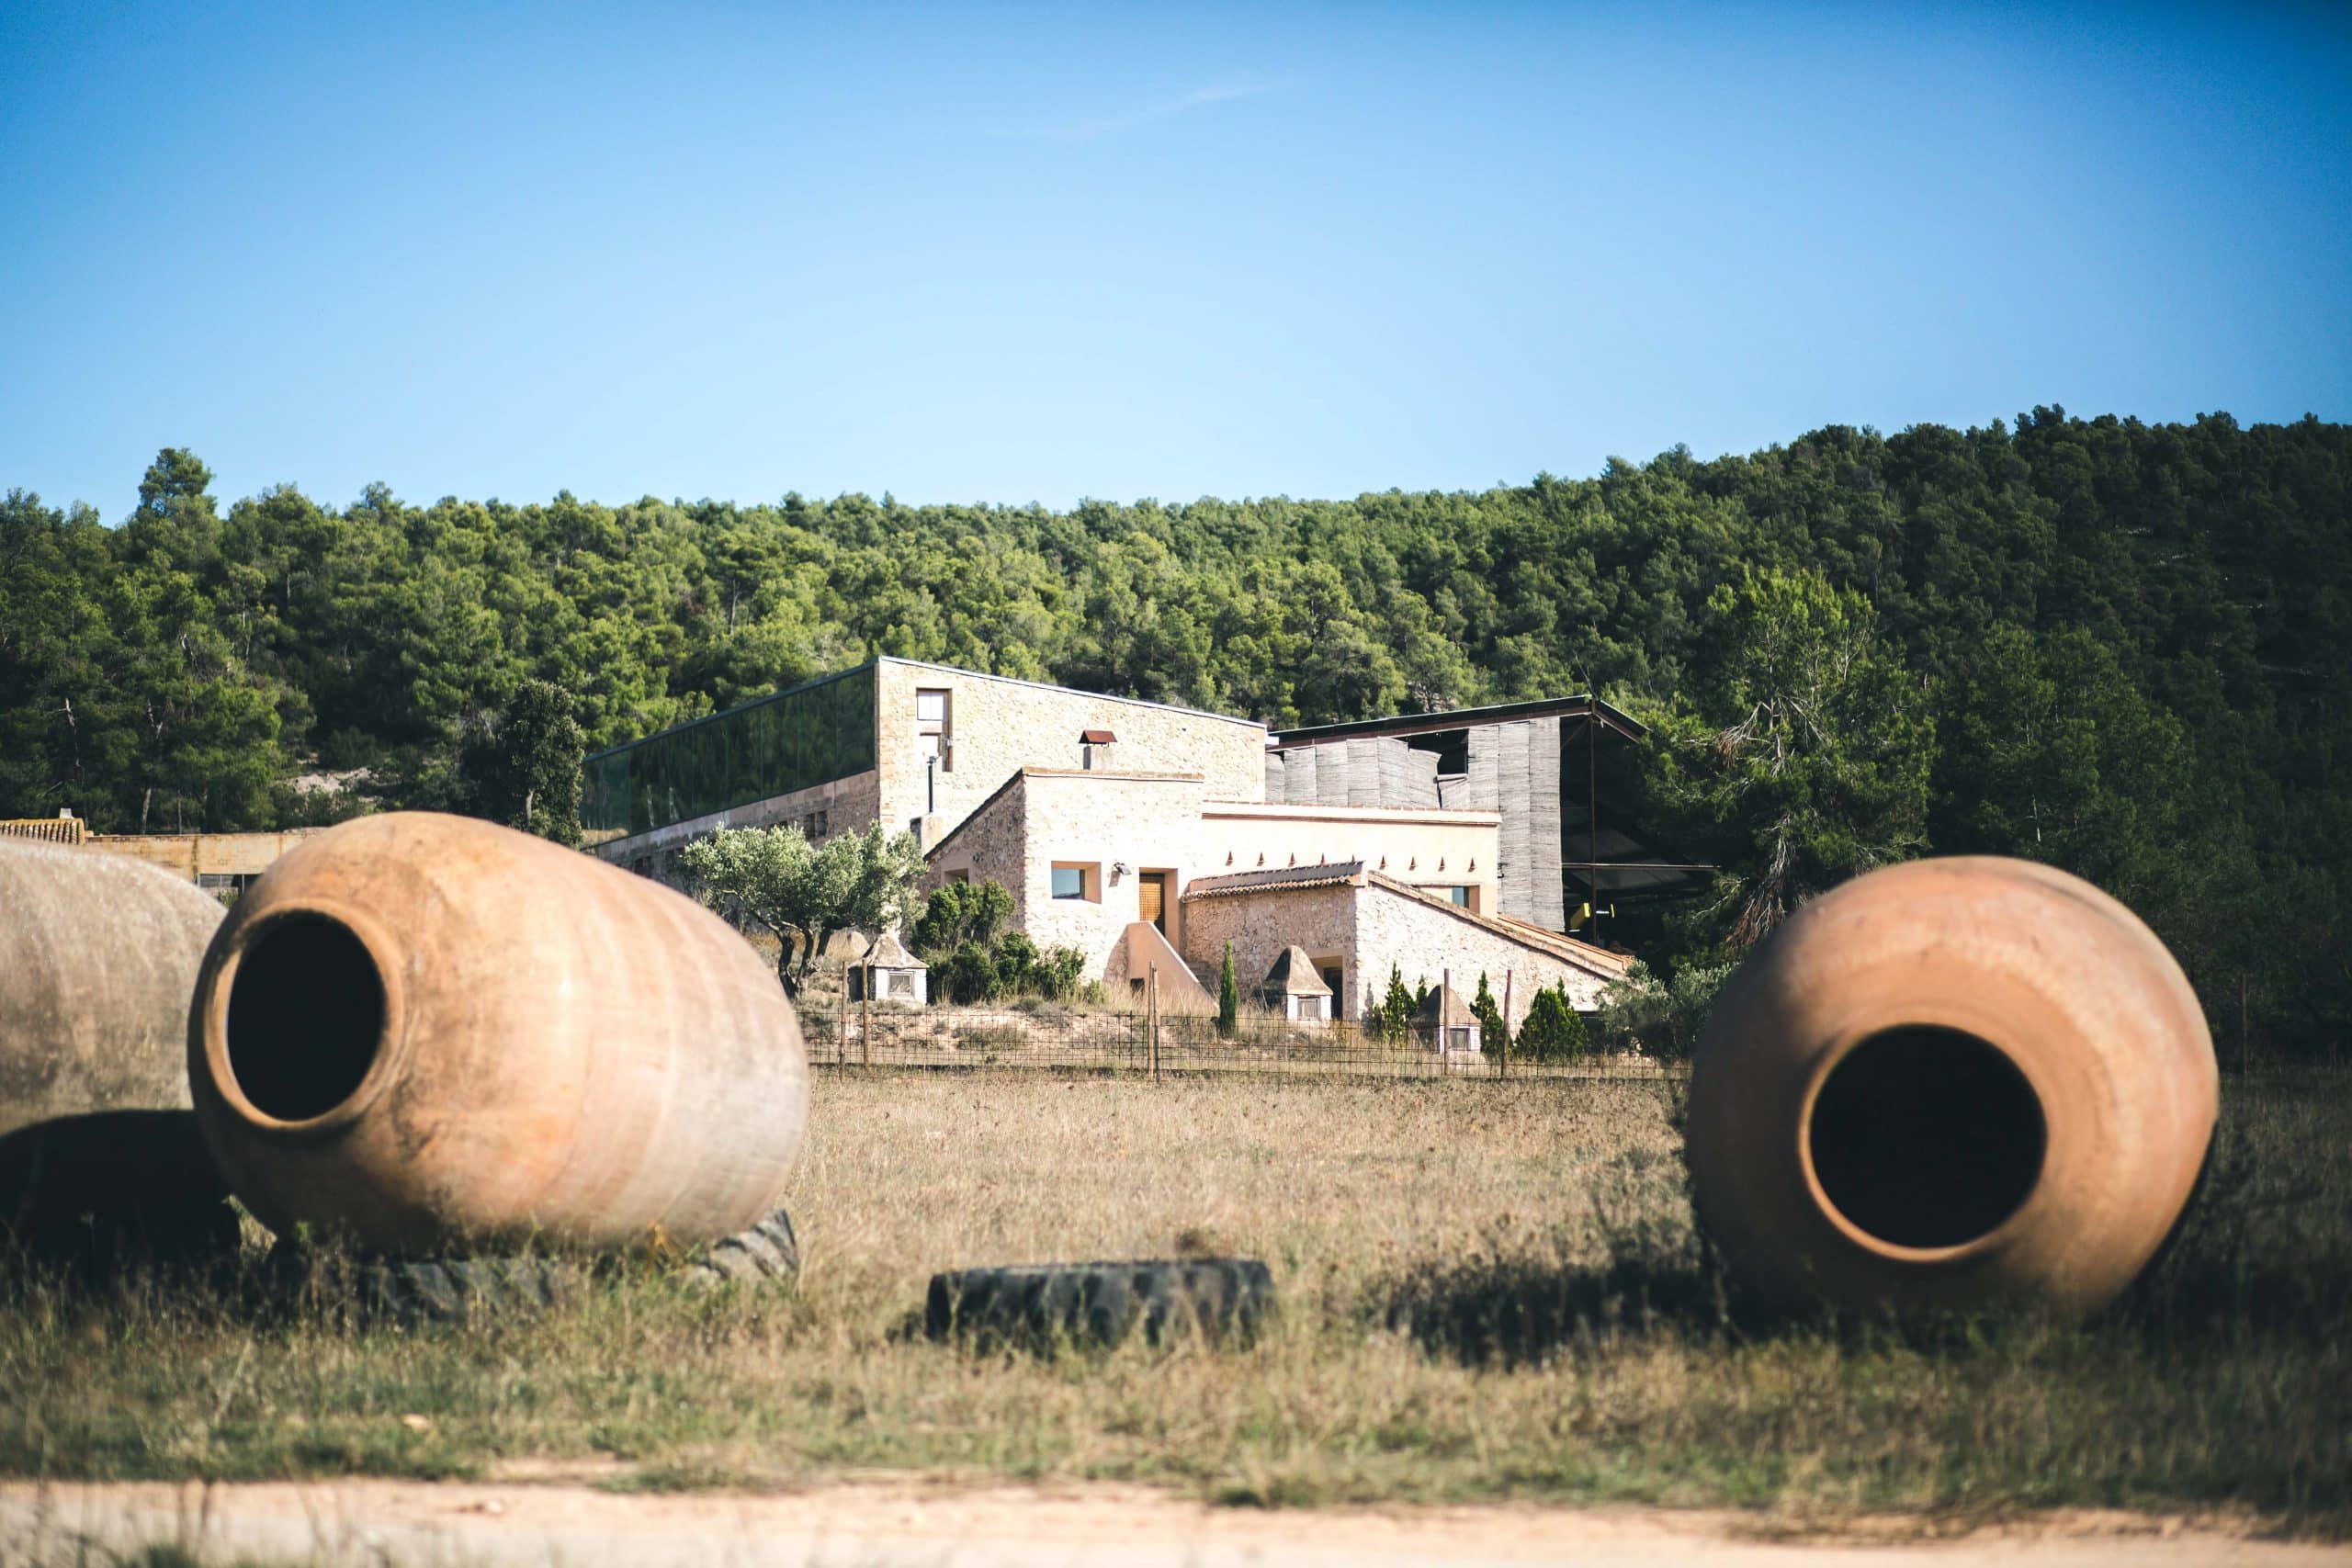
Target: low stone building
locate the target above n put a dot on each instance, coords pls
(1141, 871)
(218, 863)
(1356, 922)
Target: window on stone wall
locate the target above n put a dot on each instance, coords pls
(1073, 881)
(935, 730)
(959, 874)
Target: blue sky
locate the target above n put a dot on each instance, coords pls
(976, 254)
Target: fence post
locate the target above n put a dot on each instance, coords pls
(865, 1021)
(1445, 995)
(1502, 1061)
(1152, 996)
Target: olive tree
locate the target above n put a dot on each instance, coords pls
(806, 893)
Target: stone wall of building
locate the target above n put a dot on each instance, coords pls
(1425, 941)
(1259, 925)
(997, 726)
(988, 847)
(1098, 821)
(205, 857)
(1095, 821)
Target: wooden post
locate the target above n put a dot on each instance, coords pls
(1444, 993)
(1502, 1060)
(866, 1018)
(1151, 995)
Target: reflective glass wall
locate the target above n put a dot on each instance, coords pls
(800, 737)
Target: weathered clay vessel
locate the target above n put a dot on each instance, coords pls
(98, 953)
(1951, 1084)
(426, 1031)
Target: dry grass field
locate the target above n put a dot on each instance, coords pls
(1489, 1292)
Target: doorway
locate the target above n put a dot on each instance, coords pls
(1151, 897)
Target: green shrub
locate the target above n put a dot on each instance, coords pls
(1640, 1013)
(1056, 974)
(1553, 1032)
(1017, 966)
(973, 959)
(965, 975)
(957, 913)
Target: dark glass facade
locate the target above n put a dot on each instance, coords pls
(799, 738)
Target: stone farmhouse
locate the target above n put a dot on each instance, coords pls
(1148, 835)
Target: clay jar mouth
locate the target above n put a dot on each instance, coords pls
(302, 1020)
(1925, 1139)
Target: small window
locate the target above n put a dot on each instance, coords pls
(930, 707)
(902, 984)
(818, 824)
(1460, 895)
(959, 874)
(1070, 881)
(1457, 1039)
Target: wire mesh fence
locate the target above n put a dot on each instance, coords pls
(1036, 1034)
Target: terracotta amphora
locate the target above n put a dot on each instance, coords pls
(1951, 1085)
(97, 1150)
(428, 1033)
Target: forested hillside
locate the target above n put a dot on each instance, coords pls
(2122, 648)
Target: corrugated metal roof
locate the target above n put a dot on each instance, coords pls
(1462, 718)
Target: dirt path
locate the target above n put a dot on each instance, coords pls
(887, 1525)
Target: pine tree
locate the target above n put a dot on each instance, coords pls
(1397, 1007)
(1493, 1032)
(1229, 997)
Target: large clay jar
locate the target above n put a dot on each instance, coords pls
(97, 955)
(1953, 1084)
(427, 1032)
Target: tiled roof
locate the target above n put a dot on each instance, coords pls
(1285, 878)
